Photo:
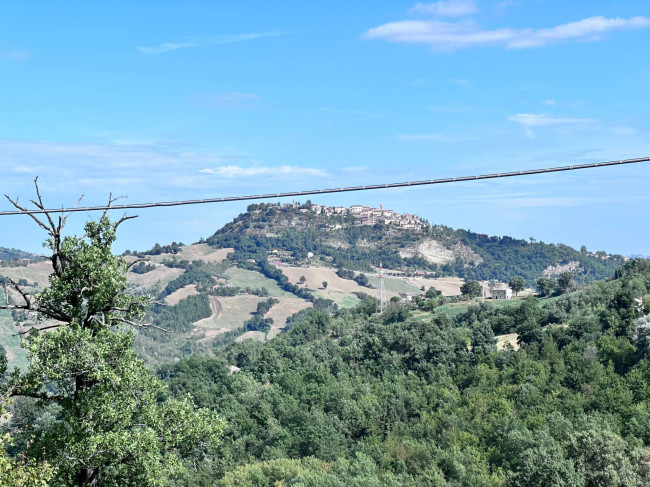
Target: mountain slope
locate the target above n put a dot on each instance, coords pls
(295, 233)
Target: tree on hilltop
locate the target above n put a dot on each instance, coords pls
(111, 428)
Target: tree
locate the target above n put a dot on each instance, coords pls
(324, 284)
(566, 282)
(517, 284)
(302, 280)
(471, 289)
(19, 472)
(432, 292)
(483, 339)
(546, 286)
(111, 428)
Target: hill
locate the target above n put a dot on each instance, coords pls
(305, 256)
(301, 235)
(16, 255)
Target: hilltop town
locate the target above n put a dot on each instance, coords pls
(364, 215)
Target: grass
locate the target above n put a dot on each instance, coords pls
(245, 278)
(342, 299)
(394, 285)
(235, 311)
(259, 336)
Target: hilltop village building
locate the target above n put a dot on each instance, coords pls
(366, 215)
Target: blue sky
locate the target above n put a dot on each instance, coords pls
(177, 100)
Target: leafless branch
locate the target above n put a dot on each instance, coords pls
(41, 206)
(122, 220)
(22, 208)
(143, 325)
(65, 218)
(18, 289)
(135, 262)
(25, 332)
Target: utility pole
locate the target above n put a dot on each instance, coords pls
(383, 305)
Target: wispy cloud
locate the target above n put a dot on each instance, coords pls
(530, 120)
(211, 41)
(448, 36)
(242, 172)
(225, 100)
(543, 120)
(434, 137)
(448, 8)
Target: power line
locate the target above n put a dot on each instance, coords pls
(325, 191)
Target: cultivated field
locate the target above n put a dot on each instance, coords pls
(316, 275)
(342, 299)
(394, 285)
(228, 313)
(158, 277)
(282, 310)
(245, 278)
(448, 286)
(38, 272)
(259, 336)
(201, 252)
(182, 293)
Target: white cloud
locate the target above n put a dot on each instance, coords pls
(225, 100)
(448, 8)
(543, 120)
(446, 36)
(550, 103)
(201, 42)
(241, 172)
(529, 120)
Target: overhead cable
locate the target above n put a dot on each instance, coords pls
(267, 196)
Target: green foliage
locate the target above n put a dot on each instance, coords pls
(546, 286)
(195, 274)
(471, 289)
(358, 399)
(300, 233)
(517, 284)
(142, 268)
(111, 427)
(178, 318)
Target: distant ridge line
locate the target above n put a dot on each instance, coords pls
(324, 191)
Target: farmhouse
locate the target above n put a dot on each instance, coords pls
(502, 293)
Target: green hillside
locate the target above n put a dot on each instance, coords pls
(295, 233)
(15, 254)
(393, 400)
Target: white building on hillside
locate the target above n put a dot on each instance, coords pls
(502, 293)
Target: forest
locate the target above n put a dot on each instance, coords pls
(343, 396)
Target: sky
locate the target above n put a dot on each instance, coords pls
(170, 100)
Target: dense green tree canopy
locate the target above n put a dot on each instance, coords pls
(110, 429)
